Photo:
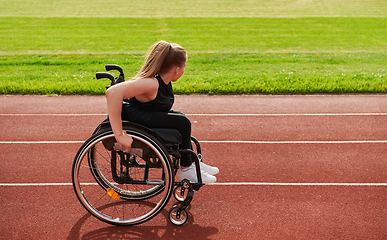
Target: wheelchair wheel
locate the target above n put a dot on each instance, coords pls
(179, 193)
(176, 217)
(123, 188)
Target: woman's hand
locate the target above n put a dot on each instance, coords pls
(124, 142)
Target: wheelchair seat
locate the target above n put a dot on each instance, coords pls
(169, 137)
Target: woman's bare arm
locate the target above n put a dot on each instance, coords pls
(146, 89)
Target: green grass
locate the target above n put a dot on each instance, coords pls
(216, 35)
(193, 8)
(57, 51)
(269, 73)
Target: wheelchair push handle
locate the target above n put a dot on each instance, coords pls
(100, 75)
(114, 67)
(113, 80)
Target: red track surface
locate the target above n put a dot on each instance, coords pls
(283, 173)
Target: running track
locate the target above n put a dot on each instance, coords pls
(291, 167)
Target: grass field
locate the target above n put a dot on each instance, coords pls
(271, 47)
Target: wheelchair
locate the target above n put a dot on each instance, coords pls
(131, 188)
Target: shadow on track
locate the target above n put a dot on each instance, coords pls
(190, 230)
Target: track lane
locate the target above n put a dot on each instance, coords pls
(215, 128)
(245, 212)
(191, 104)
(260, 163)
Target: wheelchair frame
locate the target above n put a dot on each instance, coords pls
(131, 188)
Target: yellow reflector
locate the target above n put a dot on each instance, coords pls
(113, 194)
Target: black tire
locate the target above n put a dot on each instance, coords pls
(178, 219)
(118, 188)
(177, 193)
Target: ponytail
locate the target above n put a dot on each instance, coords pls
(162, 58)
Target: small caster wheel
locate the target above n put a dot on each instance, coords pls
(180, 193)
(177, 218)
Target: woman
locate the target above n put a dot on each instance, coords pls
(150, 99)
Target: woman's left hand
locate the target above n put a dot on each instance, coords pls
(124, 142)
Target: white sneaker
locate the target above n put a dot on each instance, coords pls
(190, 174)
(208, 169)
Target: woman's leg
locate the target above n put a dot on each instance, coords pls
(175, 120)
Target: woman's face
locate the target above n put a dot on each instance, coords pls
(180, 71)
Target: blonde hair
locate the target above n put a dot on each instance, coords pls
(162, 57)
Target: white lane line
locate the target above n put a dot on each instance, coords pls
(51, 114)
(226, 141)
(206, 114)
(285, 114)
(40, 184)
(40, 142)
(297, 142)
(33, 184)
(215, 184)
(297, 184)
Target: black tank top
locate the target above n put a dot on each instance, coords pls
(163, 101)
